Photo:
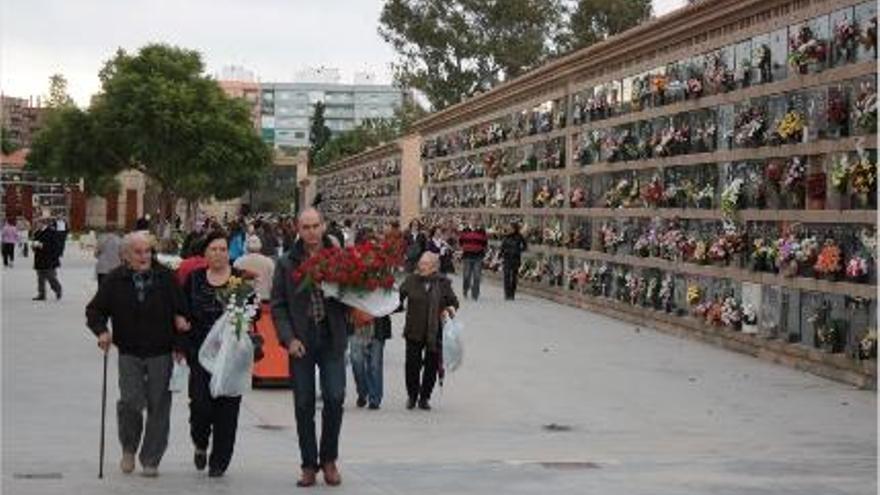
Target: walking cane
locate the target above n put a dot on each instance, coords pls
(103, 416)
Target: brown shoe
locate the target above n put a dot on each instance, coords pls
(331, 474)
(308, 478)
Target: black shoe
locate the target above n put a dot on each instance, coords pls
(361, 402)
(411, 403)
(200, 459)
(373, 406)
(58, 296)
(39, 298)
(424, 406)
(215, 473)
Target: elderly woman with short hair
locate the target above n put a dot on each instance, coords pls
(430, 297)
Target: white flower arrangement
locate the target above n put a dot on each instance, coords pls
(730, 313)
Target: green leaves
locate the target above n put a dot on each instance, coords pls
(157, 113)
(453, 49)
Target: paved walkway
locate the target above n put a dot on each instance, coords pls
(640, 413)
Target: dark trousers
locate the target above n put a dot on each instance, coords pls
(143, 384)
(421, 370)
(8, 253)
(211, 420)
(51, 276)
(511, 277)
(332, 370)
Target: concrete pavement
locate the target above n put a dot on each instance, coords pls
(550, 400)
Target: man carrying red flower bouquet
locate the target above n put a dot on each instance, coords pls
(313, 328)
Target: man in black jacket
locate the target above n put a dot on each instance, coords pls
(512, 247)
(46, 259)
(146, 308)
(314, 329)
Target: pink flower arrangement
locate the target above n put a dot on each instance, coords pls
(857, 268)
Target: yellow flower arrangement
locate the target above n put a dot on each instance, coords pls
(234, 282)
(693, 295)
(791, 125)
(863, 176)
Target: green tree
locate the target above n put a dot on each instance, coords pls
(7, 146)
(160, 114)
(319, 133)
(71, 146)
(452, 49)
(370, 133)
(595, 20)
(58, 97)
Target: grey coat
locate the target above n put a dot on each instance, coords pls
(291, 307)
(108, 253)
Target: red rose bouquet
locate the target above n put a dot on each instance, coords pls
(362, 276)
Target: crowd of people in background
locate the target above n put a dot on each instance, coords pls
(161, 312)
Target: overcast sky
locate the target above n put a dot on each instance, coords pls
(273, 38)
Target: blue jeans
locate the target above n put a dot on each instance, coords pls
(332, 367)
(472, 272)
(366, 365)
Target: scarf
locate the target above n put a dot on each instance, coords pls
(143, 283)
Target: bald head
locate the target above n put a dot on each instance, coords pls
(311, 228)
(310, 214)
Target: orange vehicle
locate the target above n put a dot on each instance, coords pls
(273, 369)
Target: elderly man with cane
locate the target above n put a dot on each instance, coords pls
(144, 305)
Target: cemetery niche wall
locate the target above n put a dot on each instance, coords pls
(365, 188)
(711, 173)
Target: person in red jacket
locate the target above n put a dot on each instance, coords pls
(473, 242)
(193, 260)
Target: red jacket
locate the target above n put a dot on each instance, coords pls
(188, 266)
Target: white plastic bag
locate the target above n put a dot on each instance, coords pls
(179, 377)
(377, 303)
(453, 348)
(229, 359)
(210, 348)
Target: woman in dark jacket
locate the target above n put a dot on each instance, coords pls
(415, 243)
(439, 245)
(213, 420)
(512, 247)
(430, 299)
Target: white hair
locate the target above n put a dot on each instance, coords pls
(432, 257)
(133, 238)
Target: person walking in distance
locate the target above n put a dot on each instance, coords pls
(108, 253)
(10, 239)
(24, 230)
(145, 307)
(512, 247)
(429, 297)
(473, 242)
(367, 348)
(314, 330)
(415, 243)
(46, 259)
(61, 230)
(259, 265)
